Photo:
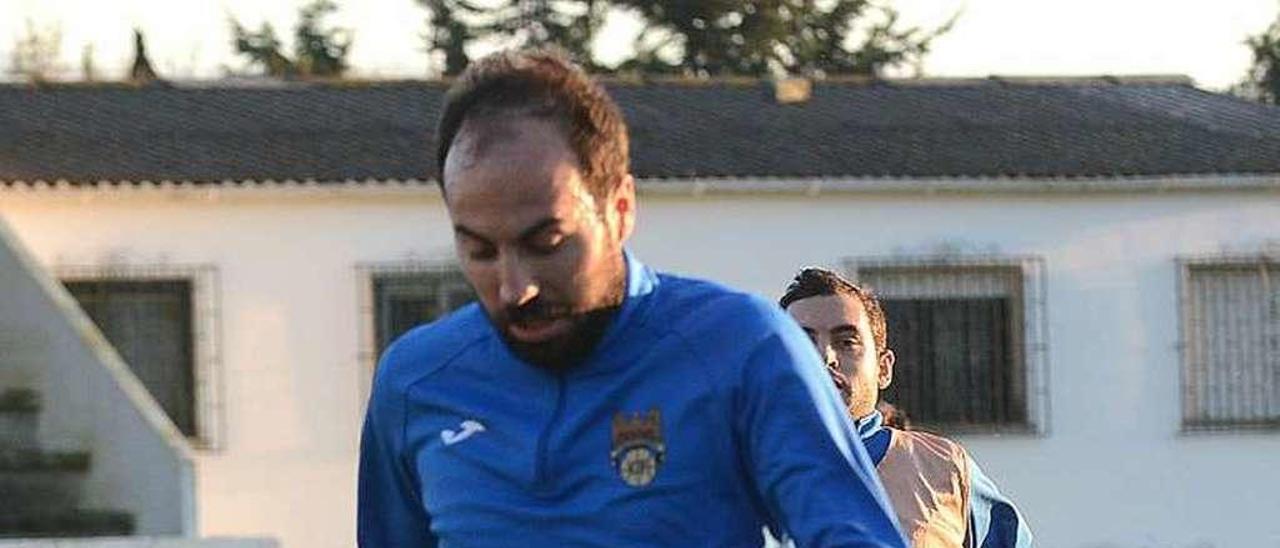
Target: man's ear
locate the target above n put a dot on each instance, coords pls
(884, 376)
(622, 208)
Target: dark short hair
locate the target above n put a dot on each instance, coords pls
(815, 282)
(541, 84)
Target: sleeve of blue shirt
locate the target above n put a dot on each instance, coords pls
(994, 522)
(808, 462)
(389, 514)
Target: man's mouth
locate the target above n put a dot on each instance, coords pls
(538, 330)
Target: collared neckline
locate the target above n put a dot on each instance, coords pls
(641, 281)
(875, 436)
(869, 425)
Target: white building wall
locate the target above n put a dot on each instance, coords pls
(139, 462)
(1111, 468)
(139, 542)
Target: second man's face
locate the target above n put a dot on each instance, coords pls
(839, 328)
(544, 257)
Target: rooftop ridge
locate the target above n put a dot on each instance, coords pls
(1059, 126)
(255, 83)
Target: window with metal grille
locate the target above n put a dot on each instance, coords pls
(403, 299)
(964, 333)
(150, 324)
(1231, 355)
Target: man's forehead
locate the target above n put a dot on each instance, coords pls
(502, 179)
(829, 311)
(475, 139)
(485, 138)
(523, 146)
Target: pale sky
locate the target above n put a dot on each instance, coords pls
(187, 39)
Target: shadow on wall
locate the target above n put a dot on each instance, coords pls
(120, 465)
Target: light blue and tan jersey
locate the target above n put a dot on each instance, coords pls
(940, 495)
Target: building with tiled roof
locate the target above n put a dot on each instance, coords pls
(994, 128)
(1079, 276)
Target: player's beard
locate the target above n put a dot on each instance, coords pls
(858, 400)
(587, 327)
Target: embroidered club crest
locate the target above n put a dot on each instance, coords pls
(638, 449)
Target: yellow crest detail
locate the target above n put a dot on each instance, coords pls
(638, 448)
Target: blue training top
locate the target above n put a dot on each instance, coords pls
(702, 415)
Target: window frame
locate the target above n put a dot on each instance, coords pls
(1185, 346)
(206, 332)
(367, 275)
(1034, 328)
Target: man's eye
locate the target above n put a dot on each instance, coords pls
(850, 344)
(477, 252)
(546, 245)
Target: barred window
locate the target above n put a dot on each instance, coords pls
(406, 297)
(964, 333)
(1231, 355)
(150, 324)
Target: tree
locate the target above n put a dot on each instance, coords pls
(569, 25)
(703, 38)
(88, 68)
(262, 48)
(449, 35)
(1263, 80)
(317, 51)
(35, 53)
(320, 51)
(773, 37)
(822, 47)
(142, 72)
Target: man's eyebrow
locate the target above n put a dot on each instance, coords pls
(528, 232)
(539, 227)
(844, 328)
(469, 233)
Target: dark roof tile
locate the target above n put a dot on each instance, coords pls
(983, 128)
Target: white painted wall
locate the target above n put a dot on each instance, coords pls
(1111, 470)
(140, 542)
(90, 401)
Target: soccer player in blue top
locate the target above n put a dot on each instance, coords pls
(588, 400)
(941, 497)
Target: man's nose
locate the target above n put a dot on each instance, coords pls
(516, 286)
(829, 355)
